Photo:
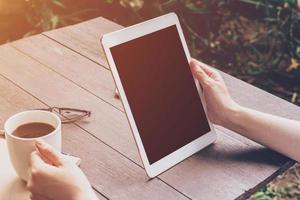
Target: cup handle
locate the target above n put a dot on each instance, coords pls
(2, 134)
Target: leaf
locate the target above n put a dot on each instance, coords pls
(269, 19)
(298, 50)
(197, 10)
(260, 196)
(30, 33)
(58, 3)
(293, 66)
(54, 21)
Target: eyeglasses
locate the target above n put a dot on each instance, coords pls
(70, 115)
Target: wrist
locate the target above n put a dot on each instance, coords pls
(233, 116)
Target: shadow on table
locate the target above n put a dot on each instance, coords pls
(224, 152)
(261, 155)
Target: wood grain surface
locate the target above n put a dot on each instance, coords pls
(66, 67)
(109, 172)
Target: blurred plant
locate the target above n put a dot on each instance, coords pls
(290, 191)
(284, 186)
(133, 4)
(41, 16)
(255, 40)
(283, 18)
(46, 15)
(270, 57)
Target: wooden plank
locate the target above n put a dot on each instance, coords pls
(112, 174)
(225, 170)
(13, 99)
(240, 94)
(69, 65)
(85, 37)
(106, 122)
(36, 80)
(85, 73)
(99, 195)
(98, 36)
(260, 99)
(108, 171)
(99, 81)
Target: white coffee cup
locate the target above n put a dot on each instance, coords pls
(20, 148)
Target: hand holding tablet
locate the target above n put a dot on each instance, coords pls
(163, 103)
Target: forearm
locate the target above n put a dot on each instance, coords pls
(280, 134)
(277, 133)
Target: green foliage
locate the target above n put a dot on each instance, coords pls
(285, 186)
(285, 17)
(289, 191)
(255, 40)
(46, 15)
(263, 50)
(40, 14)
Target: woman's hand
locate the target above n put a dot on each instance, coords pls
(219, 104)
(277, 133)
(53, 177)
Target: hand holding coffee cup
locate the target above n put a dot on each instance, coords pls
(21, 132)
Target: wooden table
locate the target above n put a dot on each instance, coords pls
(66, 67)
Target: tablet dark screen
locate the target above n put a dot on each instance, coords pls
(161, 92)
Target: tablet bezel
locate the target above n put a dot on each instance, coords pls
(118, 37)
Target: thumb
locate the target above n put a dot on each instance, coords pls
(48, 153)
(36, 164)
(35, 160)
(199, 73)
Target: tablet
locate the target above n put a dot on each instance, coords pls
(163, 103)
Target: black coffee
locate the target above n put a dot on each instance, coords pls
(33, 130)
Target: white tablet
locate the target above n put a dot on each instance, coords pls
(163, 103)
